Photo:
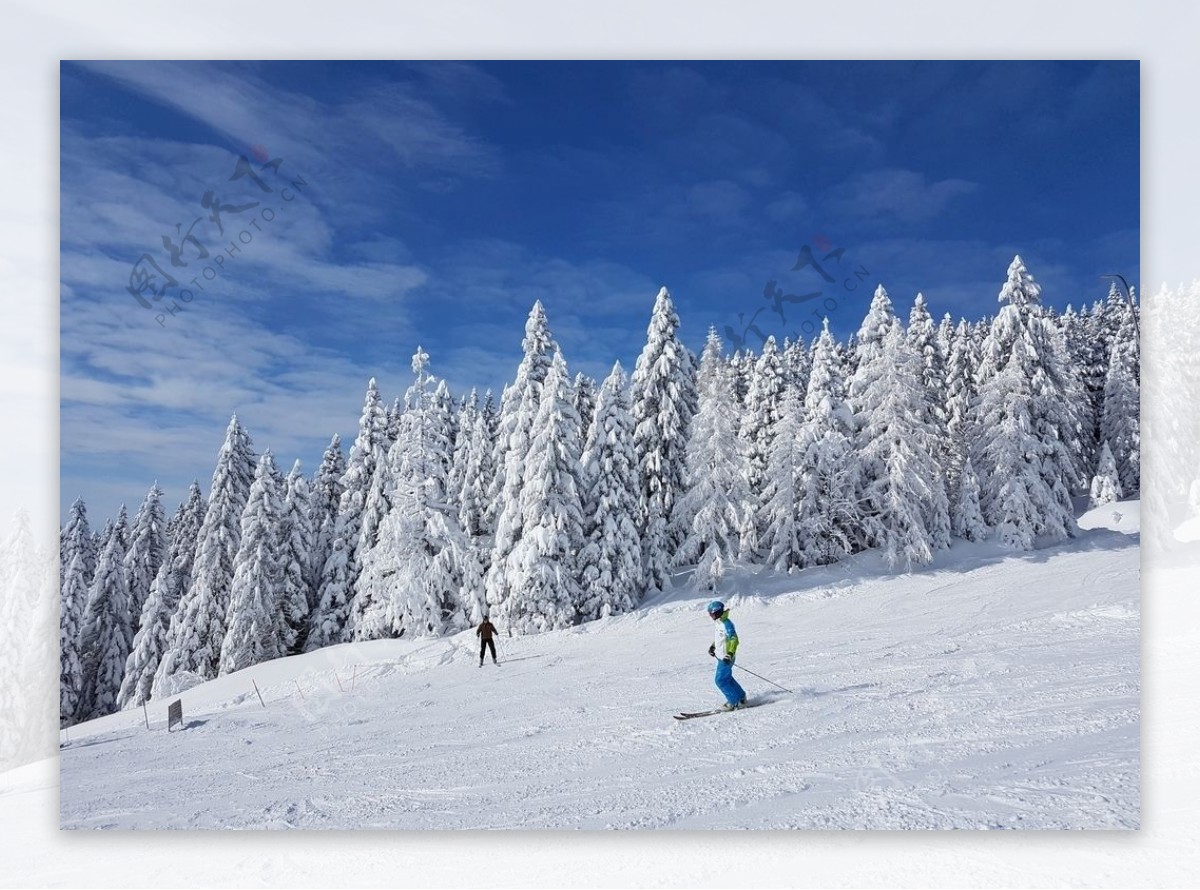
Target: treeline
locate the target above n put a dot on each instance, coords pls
(569, 500)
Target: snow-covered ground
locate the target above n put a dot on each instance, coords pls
(992, 690)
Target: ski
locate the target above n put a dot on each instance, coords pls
(689, 715)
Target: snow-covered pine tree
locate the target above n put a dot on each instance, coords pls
(391, 424)
(868, 342)
(611, 564)
(762, 407)
(255, 628)
(411, 581)
(468, 413)
(797, 365)
(740, 367)
(518, 409)
(966, 519)
(325, 495)
(1106, 483)
(327, 621)
(960, 399)
(779, 518)
(1084, 353)
(172, 578)
(585, 400)
(1023, 441)
(474, 472)
(107, 631)
(27, 614)
(832, 522)
(715, 511)
(74, 596)
(478, 472)
(924, 341)
(543, 565)
(903, 487)
(367, 452)
(198, 629)
(664, 401)
(76, 538)
(1120, 418)
(296, 541)
(147, 548)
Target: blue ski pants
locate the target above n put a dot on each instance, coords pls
(730, 688)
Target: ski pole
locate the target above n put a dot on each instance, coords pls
(760, 676)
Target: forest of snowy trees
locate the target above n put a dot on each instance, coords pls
(571, 499)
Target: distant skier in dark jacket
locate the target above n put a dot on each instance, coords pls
(485, 632)
(724, 650)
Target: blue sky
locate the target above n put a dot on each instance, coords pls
(432, 203)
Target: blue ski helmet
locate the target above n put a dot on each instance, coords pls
(716, 607)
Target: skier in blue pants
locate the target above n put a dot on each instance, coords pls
(724, 650)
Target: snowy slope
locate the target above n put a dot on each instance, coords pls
(990, 690)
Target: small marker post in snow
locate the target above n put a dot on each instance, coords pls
(259, 694)
(146, 714)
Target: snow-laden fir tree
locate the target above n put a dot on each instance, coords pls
(391, 424)
(960, 400)
(147, 548)
(741, 366)
(966, 519)
(327, 621)
(763, 404)
(1025, 430)
(924, 341)
(325, 494)
(198, 629)
(903, 488)
(255, 629)
(1120, 418)
(714, 512)
(460, 459)
(76, 538)
(797, 365)
(832, 521)
(172, 578)
(474, 470)
(107, 632)
(868, 342)
(584, 388)
(27, 579)
(611, 565)
(77, 565)
(367, 452)
(412, 579)
(1085, 351)
(478, 472)
(779, 520)
(518, 409)
(1106, 483)
(664, 401)
(74, 596)
(296, 541)
(543, 566)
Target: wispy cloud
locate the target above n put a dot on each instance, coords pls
(895, 196)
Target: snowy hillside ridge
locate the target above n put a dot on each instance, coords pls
(990, 689)
(570, 501)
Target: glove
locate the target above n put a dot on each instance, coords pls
(712, 650)
(727, 660)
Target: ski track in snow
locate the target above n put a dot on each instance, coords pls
(992, 690)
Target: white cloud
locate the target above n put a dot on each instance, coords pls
(893, 195)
